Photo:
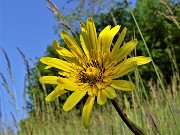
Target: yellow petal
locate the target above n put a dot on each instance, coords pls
(91, 32)
(106, 56)
(57, 63)
(49, 80)
(62, 51)
(126, 49)
(68, 84)
(69, 87)
(109, 37)
(85, 44)
(139, 59)
(55, 93)
(66, 54)
(122, 85)
(123, 68)
(71, 43)
(86, 113)
(118, 42)
(101, 98)
(95, 91)
(48, 67)
(102, 35)
(63, 73)
(109, 92)
(73, 99)
(83, 26)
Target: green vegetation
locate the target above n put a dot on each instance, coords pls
(147, 106)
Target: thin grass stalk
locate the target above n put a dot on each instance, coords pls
(138, 93)
(137, 81)
(146, 96)
(136, 104)
(57, 112)
(149, 105)
(133, 102)
(14, 120)
(137, 75)
(142, 113)
(155, 68)
(135, 94)
(172, 17)
(172, 57)
(43, 86)
(24, 94)
(6, 86)
(143, 117)
(16, 102)
(26, 129)
(39, 75)
(2, 111)
(61, 18)
(14, 97)
(36, 103)
(27, 78)
(75, 124)
(116, 126)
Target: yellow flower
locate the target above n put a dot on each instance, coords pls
(93, 70)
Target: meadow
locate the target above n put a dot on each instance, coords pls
(153, 116)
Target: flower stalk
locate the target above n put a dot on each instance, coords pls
(132, 126)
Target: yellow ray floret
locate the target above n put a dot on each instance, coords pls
(58, 91)
(87, 111)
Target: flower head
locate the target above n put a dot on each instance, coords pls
(93, 70)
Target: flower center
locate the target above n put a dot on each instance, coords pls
(92, 72)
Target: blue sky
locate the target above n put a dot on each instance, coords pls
(28, 25)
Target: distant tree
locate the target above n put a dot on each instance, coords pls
(161, 35)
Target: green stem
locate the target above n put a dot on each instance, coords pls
(132, 126)
(162, 86)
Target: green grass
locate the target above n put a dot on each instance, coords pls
(106, 121)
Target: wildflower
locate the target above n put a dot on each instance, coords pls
(93, 70)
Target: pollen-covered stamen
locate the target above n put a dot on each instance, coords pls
(92, 74)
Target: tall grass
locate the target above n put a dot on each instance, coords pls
(155, 68)
(151, 113)
(155, 119)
